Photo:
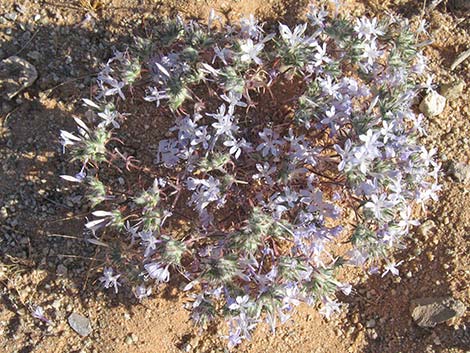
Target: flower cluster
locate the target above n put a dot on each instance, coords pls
(266, 193)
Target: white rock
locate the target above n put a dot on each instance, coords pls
(80, 324)
(433, 104)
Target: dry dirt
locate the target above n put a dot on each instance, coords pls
(44, 262)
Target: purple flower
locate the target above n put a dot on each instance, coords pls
(265, 172)
(344, 154)
(392, 268)
(158, 272)
(142, 292)
(379, 205)
(224, 124)
(329, 307)
(237, 146)
(270, 144)
(249, 27)
(109, 280)
(38, 313)
(155, 95)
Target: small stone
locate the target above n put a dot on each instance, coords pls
(460, 172)
(15, 75)
(11, 16)
(80, 324)
(428, 312)
(427, 229)
(129, 340)
(370, 323)
(373, 334)
(453, 89)
(35, 55)
(433, 104)
(186, 347)
(61, 270)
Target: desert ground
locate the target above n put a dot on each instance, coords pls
(44, 261)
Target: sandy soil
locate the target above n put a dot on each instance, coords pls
(44, 262)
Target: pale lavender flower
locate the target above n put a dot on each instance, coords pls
(155, 95)
(241, 302)
(168, 153)
(77, 178)
(288, 196)
(141, 292)
(392, 268)
(115, 86)
(158, 271)
(420, 64)
(250, 51)
(317, 16)
(371, 52)
(344, 153)
(109, 117)
(428, 156)
(223, 54)
(234, 100)
(422, 27)
(39, 313)
(270, 144)
(329, 307)
(249, 27)
(202, 136)
(224, 124)
(362, 158)
(295, 38)
(68, 139)
(320, 56)
(109, 280)
(150, 243)
(328, 86)
(265, 172)
(330, 116)
(379, 205)
(209, 70)
(106, 218)
(371, 143)
(405, 219)
(236, 146)
(367, 29)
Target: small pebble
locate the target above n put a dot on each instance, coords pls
(11, 16)
(370, 323)
(80, 324)
(433, 104)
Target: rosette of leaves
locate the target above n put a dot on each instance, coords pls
(278, 146)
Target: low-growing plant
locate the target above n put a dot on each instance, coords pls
(274, 148)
